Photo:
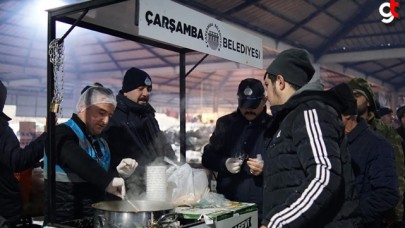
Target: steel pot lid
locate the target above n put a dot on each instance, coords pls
(133, 206)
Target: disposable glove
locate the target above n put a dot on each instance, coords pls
(233, 165)
(117, 187)
(126, 167)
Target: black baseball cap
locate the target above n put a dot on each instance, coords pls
(250, 93)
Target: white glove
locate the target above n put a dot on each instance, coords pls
(117, 187)
(126, 167)
(233, 164)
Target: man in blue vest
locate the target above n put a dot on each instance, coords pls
(83, 157)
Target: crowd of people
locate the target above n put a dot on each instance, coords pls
(330, 158)
(315, 158)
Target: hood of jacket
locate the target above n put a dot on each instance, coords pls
(327, 97)
(313, 87)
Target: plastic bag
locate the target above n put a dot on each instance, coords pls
(214, 200)
(185, 185)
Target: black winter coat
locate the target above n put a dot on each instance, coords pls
(308, 178)
(133, 132)
(374, 168)
(234, 134)
(14, 159)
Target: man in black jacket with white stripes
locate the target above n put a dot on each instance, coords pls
(308, 179)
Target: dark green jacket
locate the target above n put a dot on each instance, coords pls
(392, 136)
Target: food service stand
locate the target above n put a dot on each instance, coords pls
(124, 19)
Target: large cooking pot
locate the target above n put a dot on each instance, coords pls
(134, 213)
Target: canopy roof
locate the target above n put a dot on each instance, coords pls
(346, 38)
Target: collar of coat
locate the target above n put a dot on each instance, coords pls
(127, 105)
(260, 119)
(281, 111)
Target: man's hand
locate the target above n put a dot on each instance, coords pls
(126, 167)
(233, 165)
(255, 165)
(117, 187)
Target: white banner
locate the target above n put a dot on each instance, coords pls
(172, 23)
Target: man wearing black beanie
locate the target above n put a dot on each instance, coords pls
(133, 131)
(308, 179)
(295, 66)
(135, 78)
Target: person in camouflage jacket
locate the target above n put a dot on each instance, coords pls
(366, 108)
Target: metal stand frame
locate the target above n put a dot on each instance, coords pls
(61, 14)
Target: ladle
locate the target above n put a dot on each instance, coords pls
(171, 162)
(132, 204)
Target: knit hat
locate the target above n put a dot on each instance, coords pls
(3, 97)
(250, 93)
(347, 102)
(400, 112)
(135, 78)
(384, 111)
(294, 65)
(361, 86)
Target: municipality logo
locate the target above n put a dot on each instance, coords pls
(213, 37)
(148, 82)
(248, 91)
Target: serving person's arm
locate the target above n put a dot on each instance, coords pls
(72, 156)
